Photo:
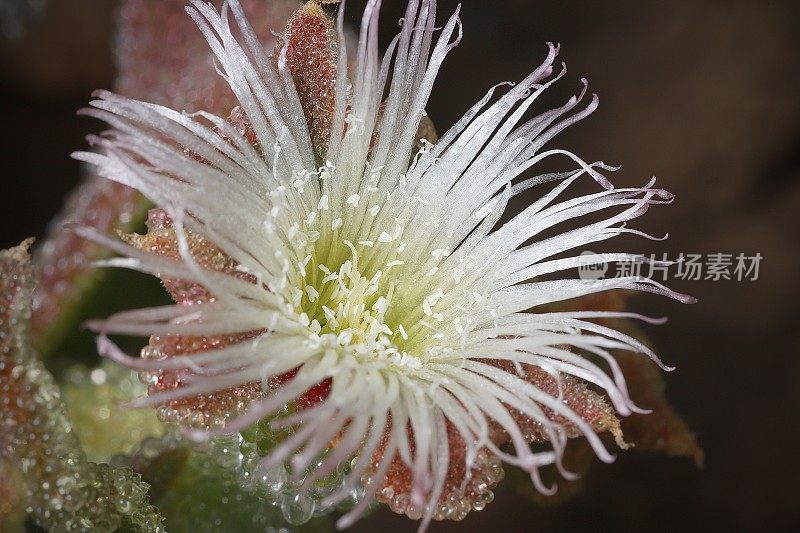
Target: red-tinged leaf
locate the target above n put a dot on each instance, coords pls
(584, 402)
(160, 239)
(461, 492)
(16, 286)
(311, 58)
(663, 430)
(458, 497)
(206, 410)
(202, 411)
(12, 497)
(62, 486)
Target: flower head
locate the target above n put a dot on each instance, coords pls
(324, 256)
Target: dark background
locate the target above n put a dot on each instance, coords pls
(705, 95)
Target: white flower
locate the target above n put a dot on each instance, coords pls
(380, 268)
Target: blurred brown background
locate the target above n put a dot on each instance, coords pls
(704, 95)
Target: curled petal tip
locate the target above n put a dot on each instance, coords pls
(541, 487)
(666, 195)
(566, 474)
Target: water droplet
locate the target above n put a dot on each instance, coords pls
(270, 480)
(297, 509)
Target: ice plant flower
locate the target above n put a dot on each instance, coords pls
(323, 257)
